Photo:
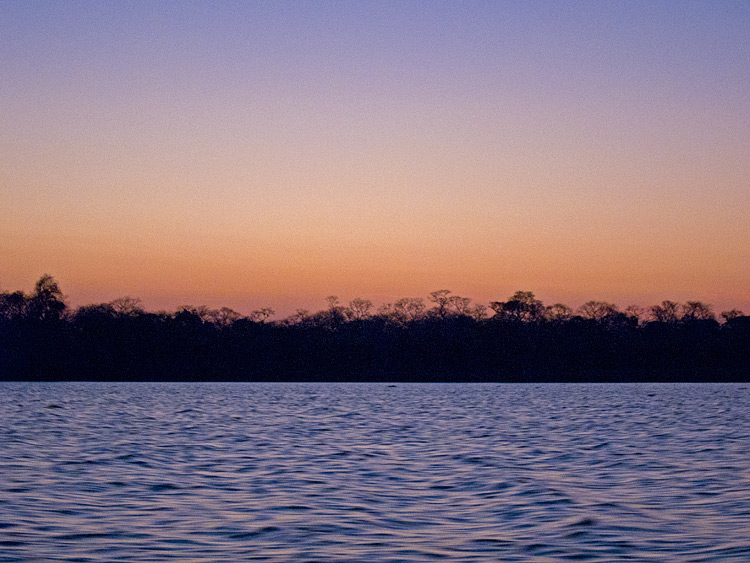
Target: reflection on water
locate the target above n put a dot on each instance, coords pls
(370, 472)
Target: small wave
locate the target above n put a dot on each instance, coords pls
(252, 534)
(164, 487)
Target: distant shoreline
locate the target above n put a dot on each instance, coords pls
(453, 341)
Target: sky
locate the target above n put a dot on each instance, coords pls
(272, 153)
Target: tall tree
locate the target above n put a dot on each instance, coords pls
(47, 300)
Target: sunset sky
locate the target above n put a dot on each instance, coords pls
(252, 154)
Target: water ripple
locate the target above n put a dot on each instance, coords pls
(359, 472)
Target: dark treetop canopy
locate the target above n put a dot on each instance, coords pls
(446, 338)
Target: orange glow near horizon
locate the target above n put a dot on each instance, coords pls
(247, 274)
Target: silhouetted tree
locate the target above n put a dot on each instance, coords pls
(441, 300)
(14, 305)
(460, 305)
(597, 310)
(667, 312)
(522, 306)
(558, 312)
(730, 315)
(226, 317)
(261, 315)
(360, 308)
(696, 310)
(478, 312)
(47, 301)
(127, 306)
(299, 317)
(634, 312)
(409, 309)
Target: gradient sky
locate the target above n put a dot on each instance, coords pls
(251, 154)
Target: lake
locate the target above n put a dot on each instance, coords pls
(207, 472)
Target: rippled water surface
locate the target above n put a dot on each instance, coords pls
(374, 472)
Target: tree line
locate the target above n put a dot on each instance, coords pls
(444, 337)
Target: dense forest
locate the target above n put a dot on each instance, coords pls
(442, 338)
